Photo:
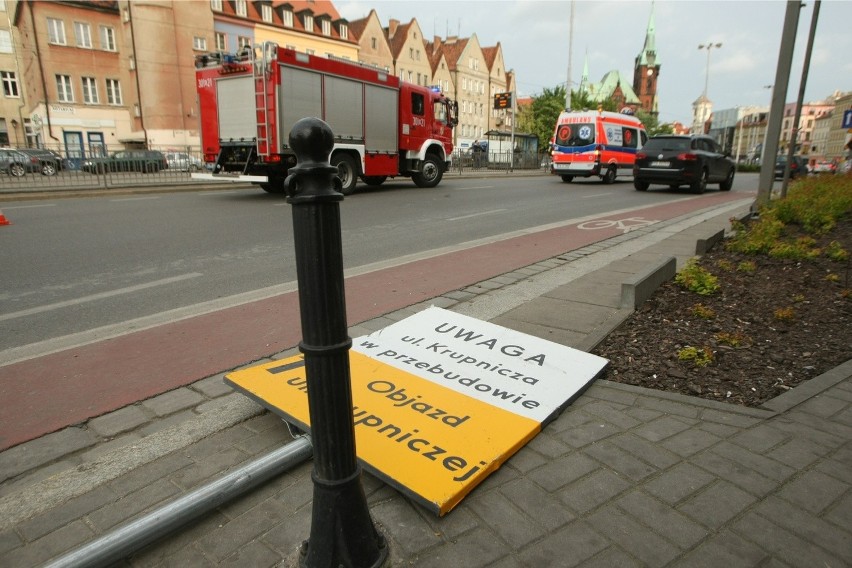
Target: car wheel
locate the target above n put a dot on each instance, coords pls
(48, 169)
(699, 185)
(17, 170)
(728, 184)
(375, 181)
(347, 172)
(609, 175)
(431, 172)
(641, 185)
(674, 186)
(567, 179)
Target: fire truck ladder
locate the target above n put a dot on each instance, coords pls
(263, 96)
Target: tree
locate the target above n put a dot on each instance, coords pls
(652, 124)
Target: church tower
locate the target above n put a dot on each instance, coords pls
(646, 70)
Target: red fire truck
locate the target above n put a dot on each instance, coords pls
(383, 127)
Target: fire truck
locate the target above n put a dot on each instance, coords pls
(383, 127)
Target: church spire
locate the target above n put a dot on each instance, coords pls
(648, 57)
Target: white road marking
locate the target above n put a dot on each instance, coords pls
(30, 206)
(136, 198)
(99, 296)
(476, 214)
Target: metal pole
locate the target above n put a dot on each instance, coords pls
(132, 536)
(342, 531)
(800, 100)
(776, 110)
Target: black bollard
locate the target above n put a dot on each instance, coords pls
(342, 531)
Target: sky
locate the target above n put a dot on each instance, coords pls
(537, 43)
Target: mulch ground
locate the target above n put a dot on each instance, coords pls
(763, 333)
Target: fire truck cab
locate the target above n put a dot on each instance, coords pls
(595, 143)
(383, 127)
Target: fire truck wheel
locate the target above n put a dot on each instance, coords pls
(609, 175)
(375, 181)
(431, 172)
(347, 171)
(567, 179)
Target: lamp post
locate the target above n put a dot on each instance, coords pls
(708, 47)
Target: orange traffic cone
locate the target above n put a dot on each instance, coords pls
(3, 219)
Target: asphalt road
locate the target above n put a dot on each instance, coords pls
(95, 267)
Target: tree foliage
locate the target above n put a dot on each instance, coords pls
(652, 123)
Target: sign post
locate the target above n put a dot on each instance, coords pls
(342, 531)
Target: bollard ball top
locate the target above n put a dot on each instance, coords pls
(312, 141)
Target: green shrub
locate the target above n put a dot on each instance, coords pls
(697, 279)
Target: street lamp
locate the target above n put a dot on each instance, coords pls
(708, 47)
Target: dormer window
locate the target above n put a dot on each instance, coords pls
(308, 22)
(326, 28)
(344, 31)
(240, 8)
(216, 5)
(287, 18)
(266, 12)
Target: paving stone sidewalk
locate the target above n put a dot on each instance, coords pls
(624, 477)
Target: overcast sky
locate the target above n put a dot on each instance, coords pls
(536, 43)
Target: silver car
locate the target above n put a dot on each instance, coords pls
(183, 162)
(17, 164)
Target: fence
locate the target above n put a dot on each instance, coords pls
(467, 161)
(99, 173)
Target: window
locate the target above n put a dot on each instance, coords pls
(90, 91)
(418, 106)
(287, 18)
(55, 31)
(344, 31)
(221, 42)
(266, 12)
(5, 41)
(374, 43)
(308, 22)
(244, 41)
(64, 92)
(4, 132)
(10, 84)
(216, 5)
(83, 35)
(113, 90)
(199, 43)
(107, 38)
(240, 8)
(326, 28)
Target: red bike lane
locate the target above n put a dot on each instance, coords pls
(45, 394)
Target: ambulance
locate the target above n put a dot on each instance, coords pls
(596, 143)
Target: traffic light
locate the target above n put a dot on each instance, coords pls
(502, 101)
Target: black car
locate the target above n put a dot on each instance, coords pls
(50, 163)
(798, 167)
(146, 161)
(694, 161)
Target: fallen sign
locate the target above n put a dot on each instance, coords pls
(440, 400)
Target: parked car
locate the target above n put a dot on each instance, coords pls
(17, 164)
(50, 163)
(147, 161)
(798, 167)
(824, 167)
(694, 161)
(184, 162)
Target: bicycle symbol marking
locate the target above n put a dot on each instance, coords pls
(626, 225)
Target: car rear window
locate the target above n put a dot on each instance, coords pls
(581, 134)
(666, 144)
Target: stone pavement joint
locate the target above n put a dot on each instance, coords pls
(625, 476)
